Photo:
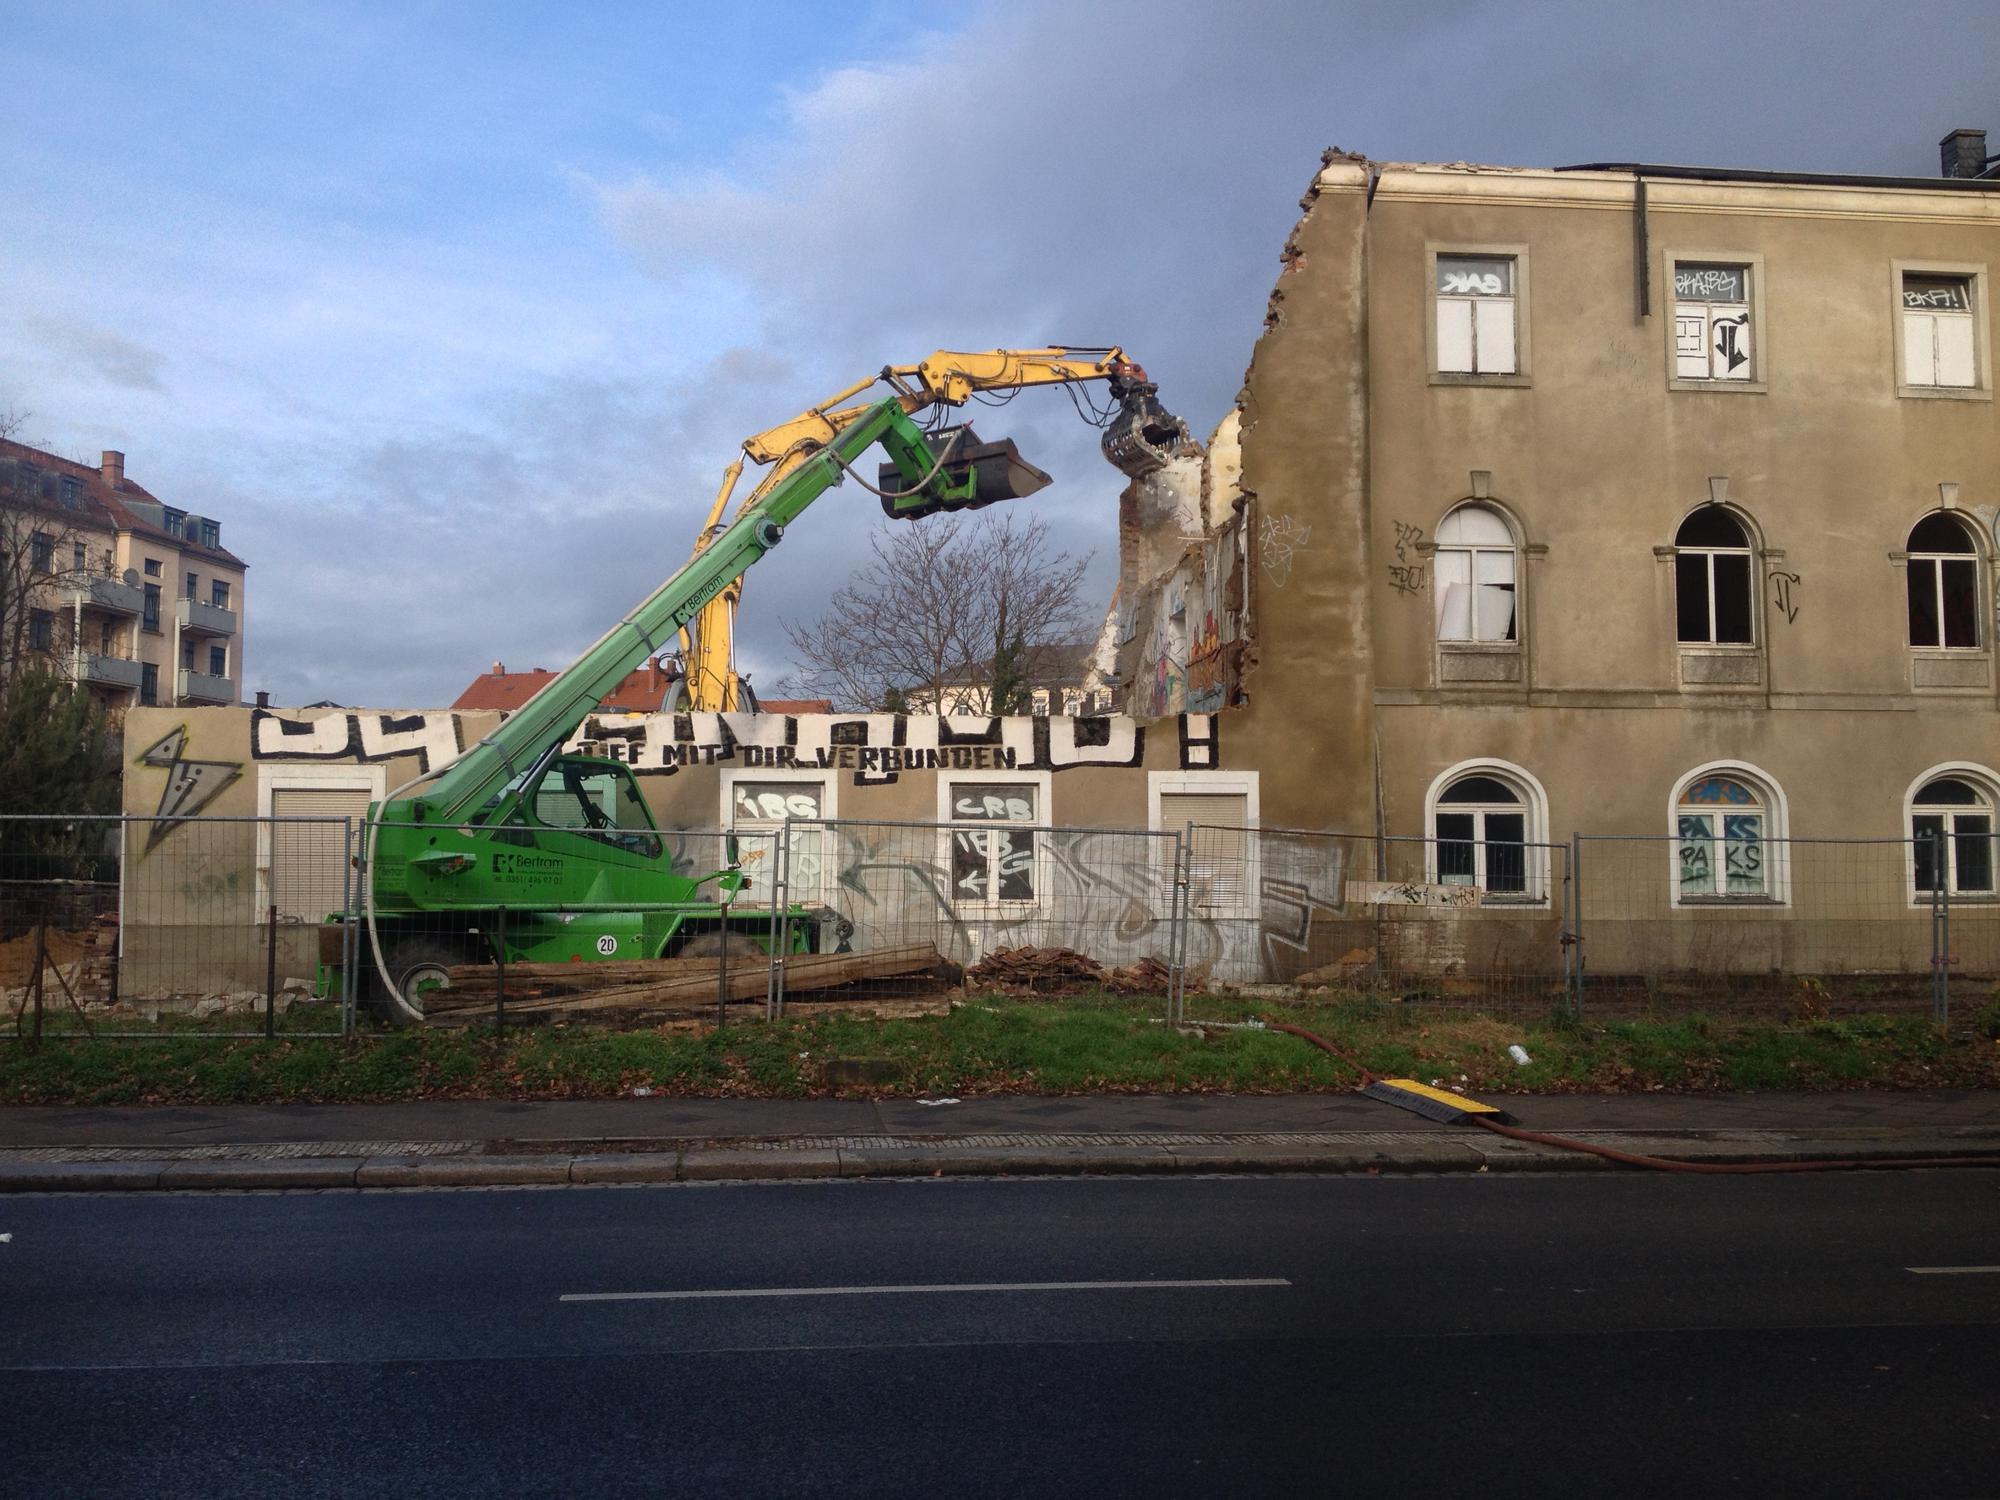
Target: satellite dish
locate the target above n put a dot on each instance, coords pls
(131, 578)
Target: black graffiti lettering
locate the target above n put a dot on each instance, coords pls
(1404, 579)
(1782, 585)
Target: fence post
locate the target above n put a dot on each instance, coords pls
(348, 950)
(1940, 929)
(781, 925)
(500, 972)
(1177, 931)
(270, 972)
(1573, 948)
(41, 957)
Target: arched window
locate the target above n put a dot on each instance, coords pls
(1474, 571)
(1712, 593)
(1951, 822)
(1486, 826)
(1944, 583)
(1722, 832)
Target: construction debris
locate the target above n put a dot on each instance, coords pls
(1058, 971)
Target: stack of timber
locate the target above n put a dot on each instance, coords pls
(1054, 971)
(665, 985)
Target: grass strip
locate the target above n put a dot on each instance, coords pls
(1102, 1044)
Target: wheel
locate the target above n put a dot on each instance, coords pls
(714, 944)
(418, 965)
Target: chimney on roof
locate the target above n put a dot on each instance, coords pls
(263, 698)
(499, 669)
(1962, 153)
(113, 466)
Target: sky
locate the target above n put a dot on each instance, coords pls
(454, 313)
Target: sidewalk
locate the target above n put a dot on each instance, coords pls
(490, 1143)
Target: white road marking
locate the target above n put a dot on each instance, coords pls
(1953, 1270)
(887, 1291)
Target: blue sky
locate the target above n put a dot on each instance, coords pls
(453, 313)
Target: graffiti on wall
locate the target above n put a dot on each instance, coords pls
(190, 786)
(876, 748)
(1278, 543)
(1783, 586)
(434, 739)
(1182, 638)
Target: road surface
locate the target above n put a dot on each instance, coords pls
(1478, 1336)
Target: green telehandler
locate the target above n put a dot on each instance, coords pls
(554, 856)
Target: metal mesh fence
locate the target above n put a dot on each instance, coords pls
(1790, 925)
(136, 926)
(994, 902)
(1476, 924)
(142, 927)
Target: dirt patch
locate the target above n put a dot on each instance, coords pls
(17, 955)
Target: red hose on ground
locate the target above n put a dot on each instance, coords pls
(1660, 1163)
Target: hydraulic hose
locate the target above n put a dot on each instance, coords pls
(1659, 1163)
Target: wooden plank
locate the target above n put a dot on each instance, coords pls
(593, 973)
(803, 972)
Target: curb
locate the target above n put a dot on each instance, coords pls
(805, 1159)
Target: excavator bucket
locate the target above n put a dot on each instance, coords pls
(974, 474)
(1144, 434)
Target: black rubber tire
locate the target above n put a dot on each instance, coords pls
(408, 957)
(711, 945)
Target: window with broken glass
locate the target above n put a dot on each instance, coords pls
(1481, 828)
(1939, 341)
(1952, 821)
(761, 808)
(993, 863)
(1473, 572)
(1720, 832)
(1712, 594)
(1476, 311)
(1712, 322)
(1943, 585)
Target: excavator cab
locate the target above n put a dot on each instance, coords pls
(598, 799)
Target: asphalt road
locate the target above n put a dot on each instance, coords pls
(1461, 1335)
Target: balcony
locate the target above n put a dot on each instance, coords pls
(95, 670)
(197, 618)
(199, 687)
(112, 595)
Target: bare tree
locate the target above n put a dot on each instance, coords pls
(919, 622)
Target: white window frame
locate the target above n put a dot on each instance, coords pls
(1752, 265)
(1242, 784)
(1776, 838)
(829, 804)
(1515, 553)
(1043, 782)
(1976, 558)
(1537, 874)
(1973, 272)
(1753, 605)
(297, 776)
(1521, 374)
(1987, 783)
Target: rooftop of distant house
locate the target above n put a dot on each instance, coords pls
(103, 499)
(644, 691)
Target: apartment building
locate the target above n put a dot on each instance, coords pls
(1632, 499)
(134, 598)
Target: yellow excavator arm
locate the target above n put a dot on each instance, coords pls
(1139, 438)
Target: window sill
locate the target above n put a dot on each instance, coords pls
(1683, 902)
(1473, 378)
(1733, 387)
(1945, 392)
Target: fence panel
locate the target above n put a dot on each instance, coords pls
(154, 926)
(1459, 924)
(1796, 926)
(964, 899)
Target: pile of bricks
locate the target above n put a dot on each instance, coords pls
(97, 975)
